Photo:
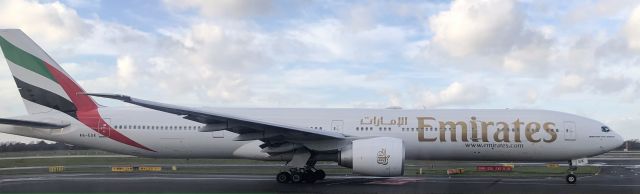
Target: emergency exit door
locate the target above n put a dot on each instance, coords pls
(336, 125)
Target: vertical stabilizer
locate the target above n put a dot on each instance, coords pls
(42, 83)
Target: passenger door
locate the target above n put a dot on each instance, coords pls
(569, 131)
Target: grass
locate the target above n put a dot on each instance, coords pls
(120, 161)
(54, 153)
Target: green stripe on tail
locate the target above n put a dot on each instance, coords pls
(24, 59)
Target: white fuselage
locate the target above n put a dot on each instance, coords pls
(514, 135)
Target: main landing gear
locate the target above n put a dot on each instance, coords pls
(571, 177)
(301, 169)
(299, 175)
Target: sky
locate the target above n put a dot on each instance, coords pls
(580, 57)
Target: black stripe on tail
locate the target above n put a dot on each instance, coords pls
(45, 98)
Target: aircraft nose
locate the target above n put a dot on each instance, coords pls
(611, 143)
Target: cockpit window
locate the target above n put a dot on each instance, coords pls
(605, 129)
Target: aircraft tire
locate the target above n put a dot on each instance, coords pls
(320, 175)
(310, 177)
(296, 178)
(283, 177)
(571, 179)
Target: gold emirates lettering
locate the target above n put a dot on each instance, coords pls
(501, 134)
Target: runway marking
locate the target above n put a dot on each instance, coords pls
(521, 183)
(129, 178)
(332, 180)
(345, 181)
(392, 181)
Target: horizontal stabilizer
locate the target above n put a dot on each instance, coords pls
(34, 124)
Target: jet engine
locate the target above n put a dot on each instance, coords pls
(380, 156)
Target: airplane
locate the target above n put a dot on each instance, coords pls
(373, 142)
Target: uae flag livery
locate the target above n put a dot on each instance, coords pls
(45, 86)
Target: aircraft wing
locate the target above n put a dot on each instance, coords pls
(248, 128)
(34, 124)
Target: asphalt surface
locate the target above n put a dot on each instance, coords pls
(612, 179)
(617, 175)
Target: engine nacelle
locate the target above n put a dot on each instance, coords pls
(380, 156)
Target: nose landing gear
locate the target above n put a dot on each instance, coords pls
(571, 178)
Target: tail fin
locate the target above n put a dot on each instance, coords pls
(45, 86)
(42, 83)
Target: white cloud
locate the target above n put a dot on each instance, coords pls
(331, 40)
(225, 8)
(455, 94)
(477, 27)
(354, 56)
(53, 25)
(476, 35)
(570, 83)
(632, 29)
(531, 96)
(114, 39)
(127, 70)
(530, 60)
(610, 84)
(361, 17)
(588, 10)
(83, 3)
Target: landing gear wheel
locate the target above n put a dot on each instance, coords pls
(571, 179)
(310, 177)
(283, 177)
(319, 174)
(296, 178)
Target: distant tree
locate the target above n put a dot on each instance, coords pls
(634, 144)
(36, 146)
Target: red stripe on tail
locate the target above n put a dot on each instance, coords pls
(88, 110)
